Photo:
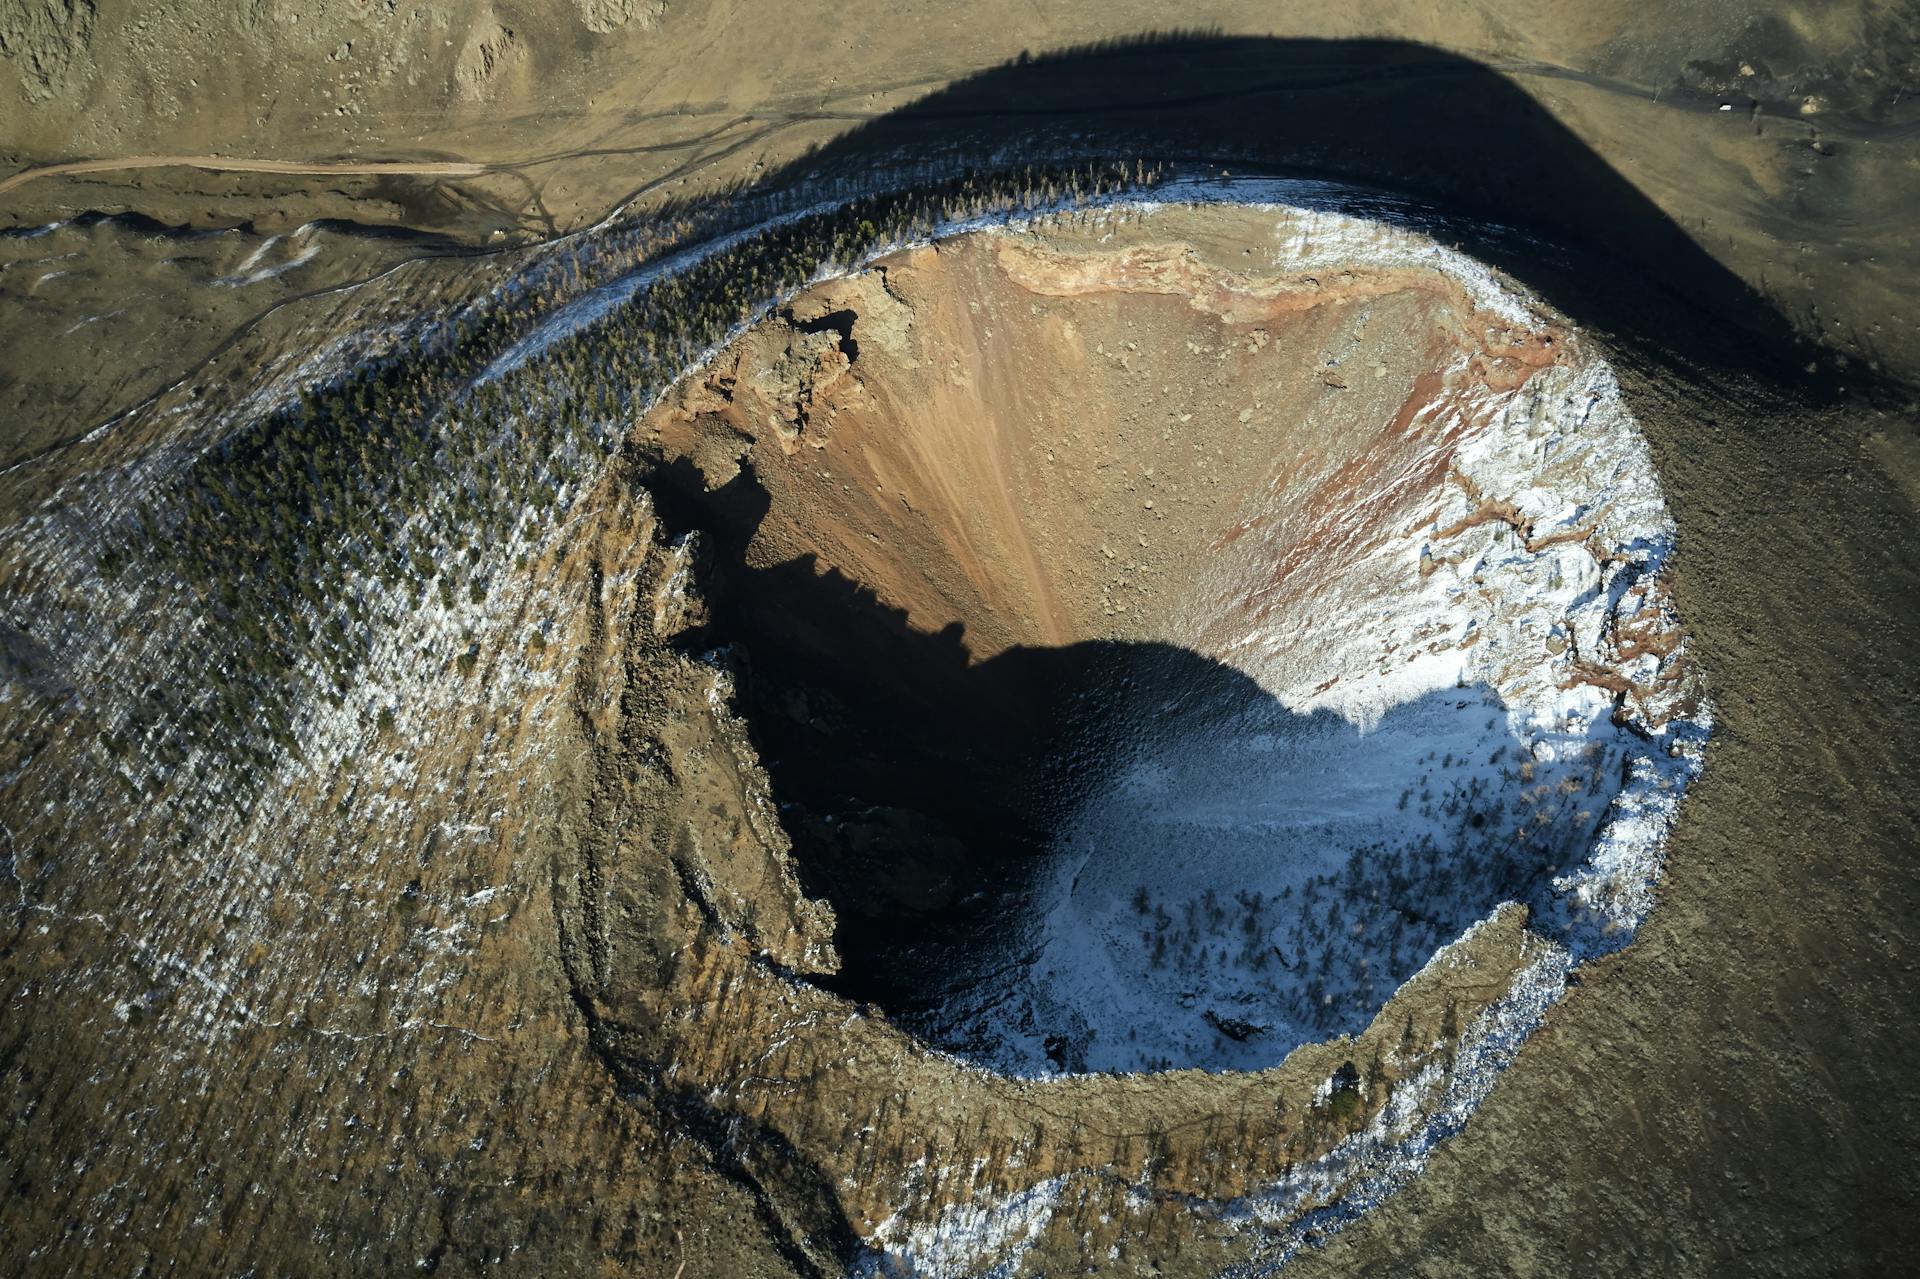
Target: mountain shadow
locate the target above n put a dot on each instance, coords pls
(1496, 173)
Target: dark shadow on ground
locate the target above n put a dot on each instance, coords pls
(1513, 185)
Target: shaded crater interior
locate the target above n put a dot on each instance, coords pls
(963, 521)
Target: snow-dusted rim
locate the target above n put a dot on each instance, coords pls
(1366, 1169)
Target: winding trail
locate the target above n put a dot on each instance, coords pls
(364, 168)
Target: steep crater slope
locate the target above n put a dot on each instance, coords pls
(1162, 643)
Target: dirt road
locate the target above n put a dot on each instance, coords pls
(375, 168)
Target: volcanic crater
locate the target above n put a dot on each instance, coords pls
(1164, 630)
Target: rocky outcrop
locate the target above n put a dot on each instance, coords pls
(49, 42)
(604, 16)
